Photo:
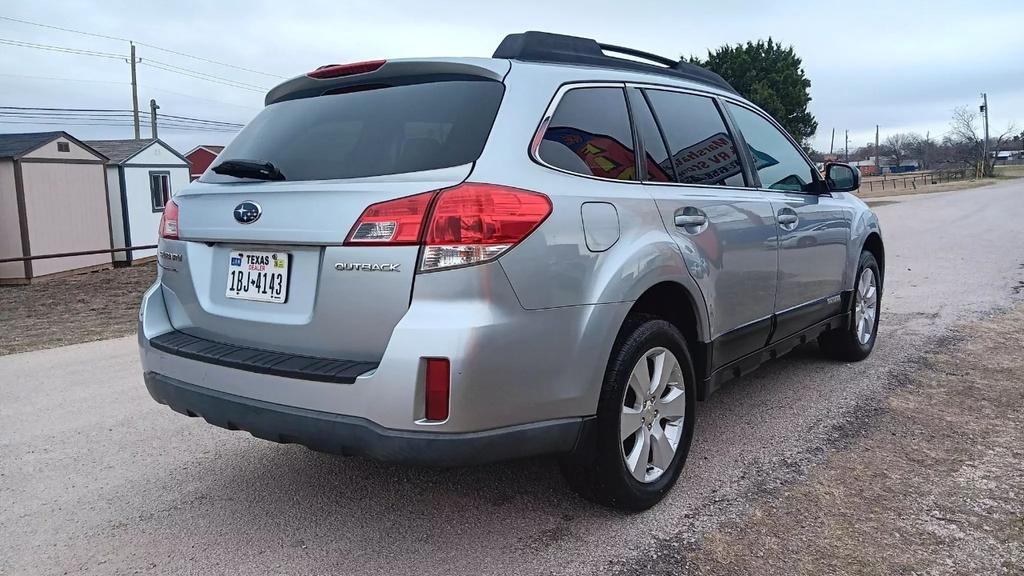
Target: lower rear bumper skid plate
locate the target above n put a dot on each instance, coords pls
(351, 435)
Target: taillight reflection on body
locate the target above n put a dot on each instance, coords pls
(169, 221)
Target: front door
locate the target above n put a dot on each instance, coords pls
(813, 226)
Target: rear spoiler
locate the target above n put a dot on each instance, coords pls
(391, 73)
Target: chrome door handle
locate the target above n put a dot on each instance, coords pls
(691, 220)
(786, 219)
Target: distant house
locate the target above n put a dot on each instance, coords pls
(52, 200)
(201, 157)
(142, 175)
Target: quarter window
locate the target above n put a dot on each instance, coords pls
(159, 189)
(702, 150)
(779, 164)
(589, 134)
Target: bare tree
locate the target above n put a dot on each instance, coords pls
(970, 145)
(925, 150)
(898, 146)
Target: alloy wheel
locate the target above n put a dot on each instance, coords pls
(653, 410)
(865, 305)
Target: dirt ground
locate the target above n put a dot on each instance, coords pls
(73, 309)
(932, 483)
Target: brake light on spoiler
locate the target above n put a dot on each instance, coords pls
(468, 224)
(338, 70)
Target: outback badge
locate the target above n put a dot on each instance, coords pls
(357, 267)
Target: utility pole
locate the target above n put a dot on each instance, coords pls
(135, 93)
(984, 111)
(833, 144)
(847, 146)
(878, 169)
(152, 115)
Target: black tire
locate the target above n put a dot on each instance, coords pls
(843, 343)
(596, 469)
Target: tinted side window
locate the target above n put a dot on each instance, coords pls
(589, 134)
(702, 149)
(659, 169)
(779, 164)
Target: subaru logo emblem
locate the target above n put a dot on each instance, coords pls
(248, 212)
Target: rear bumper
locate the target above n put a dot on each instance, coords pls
(350, 435)
(509, 366)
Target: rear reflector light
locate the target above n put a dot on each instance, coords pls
(474, 223)
(338, 70)
(393, 223)
(169, 221)
(438, 389)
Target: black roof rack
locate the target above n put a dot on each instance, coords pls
(562, 49)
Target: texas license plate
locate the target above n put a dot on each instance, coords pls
(260, 276)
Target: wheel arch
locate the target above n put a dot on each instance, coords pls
(873, 244)
(675, 303)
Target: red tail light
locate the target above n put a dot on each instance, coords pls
(337, 70)
(467, 224)
(438, 387)
(393, 223)
(169, 221)
(473, 223)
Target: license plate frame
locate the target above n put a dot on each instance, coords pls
(258, 276)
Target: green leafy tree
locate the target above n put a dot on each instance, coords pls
(769, 75)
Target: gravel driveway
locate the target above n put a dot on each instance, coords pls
(95, 477)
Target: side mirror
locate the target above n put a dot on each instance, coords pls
(841, 177)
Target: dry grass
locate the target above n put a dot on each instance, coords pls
(73, 309)
(1010, 171)
(931, 188)
(934, 486)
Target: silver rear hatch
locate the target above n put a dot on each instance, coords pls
(339, 154)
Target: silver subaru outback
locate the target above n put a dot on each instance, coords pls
(462, 260)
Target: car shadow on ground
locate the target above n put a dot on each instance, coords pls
(306, 498)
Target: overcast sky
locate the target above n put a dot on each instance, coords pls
(903, 65)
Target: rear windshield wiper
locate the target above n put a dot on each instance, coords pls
(257, 169)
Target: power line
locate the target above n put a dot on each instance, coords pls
(153, 46)
(159, 89)
(108, 114)
(128, 123)
(63, 49)
(148, 86)
(200, 75)
(198, 119)
(8, 18)
(152, 63)
(201, 59)
(90, 81)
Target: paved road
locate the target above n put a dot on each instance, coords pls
(97, 478)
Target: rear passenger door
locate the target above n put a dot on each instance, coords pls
(724, 229)
(814, 227)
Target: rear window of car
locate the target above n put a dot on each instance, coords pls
(372, 132)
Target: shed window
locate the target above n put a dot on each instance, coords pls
(159, 189)
(63, 147)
